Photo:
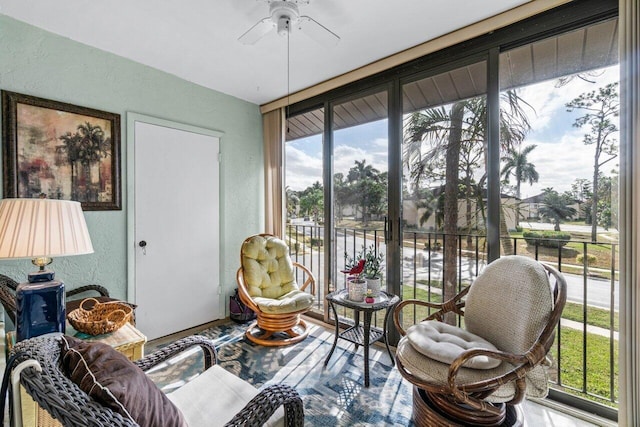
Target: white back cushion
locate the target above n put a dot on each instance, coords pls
(509, 304)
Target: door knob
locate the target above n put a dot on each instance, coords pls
(142, 243)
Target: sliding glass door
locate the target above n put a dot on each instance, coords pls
(560, 187)
(444, 183)
(360, 166)
(456, 159)
(304, 191)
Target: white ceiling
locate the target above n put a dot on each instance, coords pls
(197, 39)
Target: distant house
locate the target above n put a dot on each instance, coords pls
(476, 221)
(530, 207)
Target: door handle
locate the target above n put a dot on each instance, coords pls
(142, 243)
(390, 233)
(386, 231)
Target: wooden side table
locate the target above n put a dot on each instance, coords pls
(359, 334)
(127, 340)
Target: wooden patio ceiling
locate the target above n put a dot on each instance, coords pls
(582, 50)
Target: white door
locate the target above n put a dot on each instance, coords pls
(176, 227)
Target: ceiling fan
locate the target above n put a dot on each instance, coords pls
(284, 16)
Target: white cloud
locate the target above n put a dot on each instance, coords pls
(561, 156)
(559, 164)
(548, 100)
(302, 169)
(345, 156)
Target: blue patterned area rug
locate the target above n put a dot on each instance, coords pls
(333, 395)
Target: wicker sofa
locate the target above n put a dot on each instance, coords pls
(216, 397)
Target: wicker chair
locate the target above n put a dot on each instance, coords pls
(510, 315)
(8, 288)
(66, 402)
(267, 285)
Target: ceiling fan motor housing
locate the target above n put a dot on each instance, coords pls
(284, 14)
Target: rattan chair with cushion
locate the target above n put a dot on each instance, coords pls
(116, 392)
(477, 375)
(267, 284)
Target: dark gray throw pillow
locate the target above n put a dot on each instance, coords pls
(113, 380)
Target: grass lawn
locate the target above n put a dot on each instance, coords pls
(598, 365)
(595, 316)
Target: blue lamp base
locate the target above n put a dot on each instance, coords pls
(40, 306)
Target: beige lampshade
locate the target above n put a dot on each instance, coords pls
(31, 228)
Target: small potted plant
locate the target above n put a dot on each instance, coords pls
(373, 269)
(356, 285)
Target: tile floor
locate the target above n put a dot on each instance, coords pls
(536, 413)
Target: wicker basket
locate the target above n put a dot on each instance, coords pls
(102, 318)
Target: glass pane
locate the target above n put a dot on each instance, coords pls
(360, 172)
(444, 184)
(559, 170)
(305, 196)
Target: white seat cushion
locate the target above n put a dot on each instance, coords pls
(214, 397)
(444, 343)
(436, 373)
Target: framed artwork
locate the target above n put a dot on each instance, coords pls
(60, 151)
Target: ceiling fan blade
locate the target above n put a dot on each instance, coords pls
(256, 32)
(317, 31)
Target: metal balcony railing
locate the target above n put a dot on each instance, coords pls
(585, 354)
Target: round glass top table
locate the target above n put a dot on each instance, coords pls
(358, 334)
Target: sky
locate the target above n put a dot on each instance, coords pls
(560, 157)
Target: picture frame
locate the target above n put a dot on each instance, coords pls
(60, 151)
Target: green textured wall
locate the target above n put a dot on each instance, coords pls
(39, 63)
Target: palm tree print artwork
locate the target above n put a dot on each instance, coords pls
(63, 154)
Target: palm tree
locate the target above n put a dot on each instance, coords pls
(292, 201)
(362, 171)
(556, 207)
(71, 147)
(437, 133)
(516, 164)
(364, 181)
(93, 147)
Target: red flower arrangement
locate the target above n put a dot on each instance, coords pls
(355, 271)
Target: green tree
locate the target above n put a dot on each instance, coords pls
(341, 195)
(312, 201)
(556, 207)
(432, 201)
(293, 201)
(470, 162)
(517, 165)
(601, 107)
(607, 214)
(581, 191)
(367, 189)
(440, 133)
